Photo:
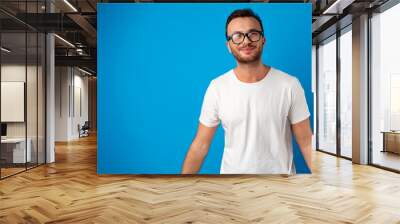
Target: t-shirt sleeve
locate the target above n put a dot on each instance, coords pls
(298, 108)
(209, 110)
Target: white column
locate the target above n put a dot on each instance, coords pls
(314, 91)
(360, 90)
(50, 93)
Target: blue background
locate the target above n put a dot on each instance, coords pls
(155, 62)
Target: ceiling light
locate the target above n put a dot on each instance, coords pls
(5, 50)
(327, 11)
(70, 5)
(337, 7)
(84, 71)
(65, 41)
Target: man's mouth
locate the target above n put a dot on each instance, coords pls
(247, 49)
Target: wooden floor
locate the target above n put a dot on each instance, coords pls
(70, 191)
(388, 159)
(5, 172)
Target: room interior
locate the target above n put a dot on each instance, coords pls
(48, 92)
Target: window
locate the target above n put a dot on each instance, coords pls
(327, 95)
(346, 92)
(22, 88)
(385, 88)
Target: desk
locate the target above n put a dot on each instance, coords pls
(13, 150)
(391, 141)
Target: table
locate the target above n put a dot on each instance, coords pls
(13, 150)
(391, 141)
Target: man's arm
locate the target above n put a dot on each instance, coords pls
(303, 134)
(198, 149)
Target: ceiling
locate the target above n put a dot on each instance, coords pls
(72, 20)
(75, 21)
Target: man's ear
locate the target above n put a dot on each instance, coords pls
(229, 47)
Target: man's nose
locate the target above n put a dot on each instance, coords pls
(246, 40)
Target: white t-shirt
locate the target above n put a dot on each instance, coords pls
(256, 118)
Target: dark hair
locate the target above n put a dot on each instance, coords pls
(242, 13)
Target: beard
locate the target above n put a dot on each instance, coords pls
(249, 59)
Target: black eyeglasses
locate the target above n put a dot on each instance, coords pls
(252, 35)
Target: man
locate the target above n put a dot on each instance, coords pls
(259, 108)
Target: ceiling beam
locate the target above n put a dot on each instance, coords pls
(82, 61)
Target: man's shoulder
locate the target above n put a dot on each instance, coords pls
(283, 76)
(222, 79)
(285, 80)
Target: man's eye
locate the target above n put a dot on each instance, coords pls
(253, 34)
(237, 36)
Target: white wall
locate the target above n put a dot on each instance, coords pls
(33, 127)
(70, 84)
(16, 72)
(61, 103)
(79, 117)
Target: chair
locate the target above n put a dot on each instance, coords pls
(84, 130)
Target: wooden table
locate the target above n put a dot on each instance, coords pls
(391, 141)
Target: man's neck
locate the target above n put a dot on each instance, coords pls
(251, 72)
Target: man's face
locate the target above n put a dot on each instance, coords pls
(247, 51)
